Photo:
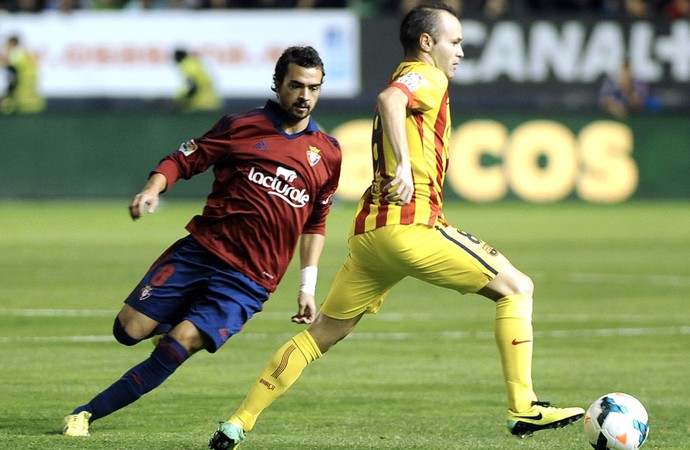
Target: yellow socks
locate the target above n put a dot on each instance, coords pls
(514, 336)
(282, 371)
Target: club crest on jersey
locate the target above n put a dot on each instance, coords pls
(145, 292)
(412, 81)
(313, 155)
(188, 147)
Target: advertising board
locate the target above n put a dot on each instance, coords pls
(120, 54)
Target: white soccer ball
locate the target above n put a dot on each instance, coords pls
(616, 421)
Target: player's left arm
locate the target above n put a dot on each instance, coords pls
(310, 248)
(313, 237)
(392, 105)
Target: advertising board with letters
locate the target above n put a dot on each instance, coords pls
(129, 54)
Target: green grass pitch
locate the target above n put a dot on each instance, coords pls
(611, 314)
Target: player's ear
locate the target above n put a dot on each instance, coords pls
(426, 42)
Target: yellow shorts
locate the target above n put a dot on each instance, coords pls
(379, 259)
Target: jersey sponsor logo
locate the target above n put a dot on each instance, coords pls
(313, 155)
(279, 185)
(412, 81)
(261, 145)
(286, 174)
(188, 147)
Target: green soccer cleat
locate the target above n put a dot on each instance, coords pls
(77, 424)
(541, 416)
(228, 436)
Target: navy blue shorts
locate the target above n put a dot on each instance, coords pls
(190, 283)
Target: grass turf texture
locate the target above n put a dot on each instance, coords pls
(611, 314)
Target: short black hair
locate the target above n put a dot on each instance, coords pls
(421, 19)
(179, 54)
(302, 56)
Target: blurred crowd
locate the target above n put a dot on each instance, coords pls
(489, 9)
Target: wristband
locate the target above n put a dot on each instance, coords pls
(309, 275)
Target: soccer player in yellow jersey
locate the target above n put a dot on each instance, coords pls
(22, 95)
(399, 231)
(198, 92)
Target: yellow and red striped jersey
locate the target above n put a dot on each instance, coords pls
(428, 132)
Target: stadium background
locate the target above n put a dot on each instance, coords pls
(612, 279)
(528, 86)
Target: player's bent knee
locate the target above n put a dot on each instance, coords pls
(508, 282)
(524, 285)
(517, 283)
(121, 334)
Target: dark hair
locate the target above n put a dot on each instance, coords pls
(179, 55)
(302, 56)
(421, 19)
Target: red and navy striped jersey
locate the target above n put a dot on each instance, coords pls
(268, 189)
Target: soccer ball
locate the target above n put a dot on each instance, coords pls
(617, 422)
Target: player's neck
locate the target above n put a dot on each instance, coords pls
(293, 127)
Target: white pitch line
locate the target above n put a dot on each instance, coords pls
(562, 334)
(621, 278)
(447, 335)
(58, 312)
(54, 339)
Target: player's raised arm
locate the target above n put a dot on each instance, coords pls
(147, 199)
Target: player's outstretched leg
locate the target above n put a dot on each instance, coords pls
(228, 436)
(541, 416)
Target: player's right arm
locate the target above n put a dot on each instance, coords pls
(189, 160)
(147, 199)
(392, 106)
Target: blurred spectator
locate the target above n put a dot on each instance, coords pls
(216, 4)
(22, 95)
(146, 5)
(638, 9)
(676, 9)
(198, 93)
(496, 9)
(106, 4)
(22, 5)
(622, 94)
(64, 6)
(369, 9)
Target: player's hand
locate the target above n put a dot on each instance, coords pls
(399, 189)
(143, 201)
(306, 309)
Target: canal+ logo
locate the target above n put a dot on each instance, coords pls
(280, 185)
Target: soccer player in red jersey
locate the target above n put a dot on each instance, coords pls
(275, 173)
(399, 231)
